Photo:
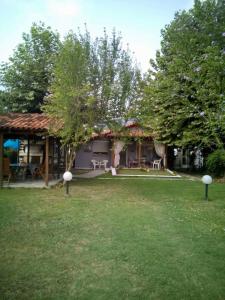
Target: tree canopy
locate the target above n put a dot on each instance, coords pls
(113, 75)
(3, 101)
(94, 85)
(185, 97)
(28, 74)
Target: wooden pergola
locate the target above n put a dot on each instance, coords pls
(28, 126)
(132, 130)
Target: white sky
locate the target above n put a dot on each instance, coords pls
(139, 22)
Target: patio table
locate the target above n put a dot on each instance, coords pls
(133, 163)
(19, 169)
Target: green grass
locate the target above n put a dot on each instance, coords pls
(143, 172)
(113, 239)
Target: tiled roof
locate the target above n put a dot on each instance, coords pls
(24, 121)
(40, 122)
(132, 130)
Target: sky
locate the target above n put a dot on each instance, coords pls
(139, 21)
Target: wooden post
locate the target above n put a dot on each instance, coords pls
(139, 153)
(136, 152)
(46, 159)
(1, 160)
(66, 157)
(127, 164)
(28, 150)
(112, 155)
(165, 161)
(53, 158)
(58, 159)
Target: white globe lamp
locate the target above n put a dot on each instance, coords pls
(67, 176)
(206, 179)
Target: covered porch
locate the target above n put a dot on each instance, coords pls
(132, 147)
(137, 148)
(38, 159)
(105, 152)
(138, 154)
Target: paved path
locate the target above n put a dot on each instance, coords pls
(91, 174)
(41, 184)
(31, 184)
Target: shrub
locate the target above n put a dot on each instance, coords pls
(215, 163)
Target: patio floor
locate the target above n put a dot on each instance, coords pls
(31, 184)
(39, 183)
(90, 174)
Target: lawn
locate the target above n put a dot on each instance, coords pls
(113, 239)
(146, 172)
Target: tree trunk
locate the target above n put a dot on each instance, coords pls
(71, 155)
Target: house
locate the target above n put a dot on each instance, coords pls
(130, 148)
(188, 158)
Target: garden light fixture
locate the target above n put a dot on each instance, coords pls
(206, 179)
(67, 176)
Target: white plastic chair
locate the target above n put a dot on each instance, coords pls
(104, 162)
(95, 163)
(157, 163)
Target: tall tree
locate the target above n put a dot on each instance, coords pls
(93, 85)
(185, 97)
(28, 74)
(70, 103)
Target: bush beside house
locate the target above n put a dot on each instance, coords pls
(216, 163)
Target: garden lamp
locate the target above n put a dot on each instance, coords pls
(67, 176)
(206, 179)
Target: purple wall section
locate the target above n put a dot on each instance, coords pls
(85, 155)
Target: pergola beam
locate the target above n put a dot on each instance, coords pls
(28, 150)
(139, 154)
(46, 160)
(1, 159)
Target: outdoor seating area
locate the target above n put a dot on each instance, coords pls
(24, 171)
(99, 163)
(27, 152)
(143, 163)
(19, 170)
(17, 175)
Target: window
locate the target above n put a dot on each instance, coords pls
(100, 147)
